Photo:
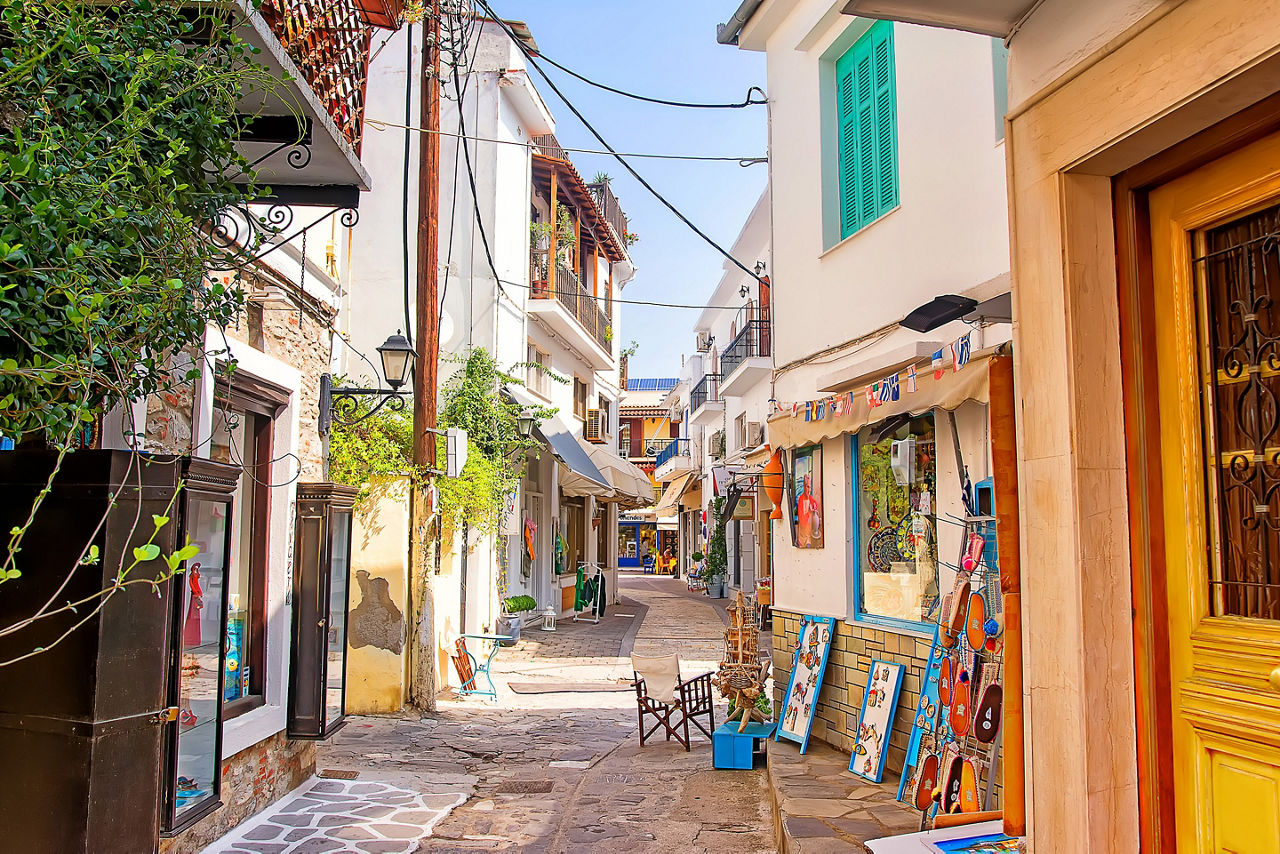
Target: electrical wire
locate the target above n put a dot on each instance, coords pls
(671, 207)
(749, 102)
(382, 124)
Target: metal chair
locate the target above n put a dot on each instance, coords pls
(671, 701)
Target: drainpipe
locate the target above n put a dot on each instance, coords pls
(727, 33)
(1004, 459)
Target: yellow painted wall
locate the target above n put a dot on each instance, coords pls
(377, 657)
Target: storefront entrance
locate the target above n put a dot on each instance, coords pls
(1215, 344)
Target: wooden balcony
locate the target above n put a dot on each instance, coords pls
(610, 208)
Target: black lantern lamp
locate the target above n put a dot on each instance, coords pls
(397, 359)
(342, 405)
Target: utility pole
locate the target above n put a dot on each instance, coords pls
(423, 673)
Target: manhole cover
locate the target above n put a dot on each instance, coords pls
(525, 787)
(338, 774)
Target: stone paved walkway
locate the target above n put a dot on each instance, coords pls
(565, 772)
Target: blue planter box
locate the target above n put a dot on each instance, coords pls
(731, 749)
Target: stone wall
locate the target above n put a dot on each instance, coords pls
(840, 700)
(252, 780)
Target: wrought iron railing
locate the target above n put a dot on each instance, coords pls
(328, 41)
(582, 306)
(753, 340)
(675, 448)
(610, 208)
(706, 391)
(655, 446)
(549, 146)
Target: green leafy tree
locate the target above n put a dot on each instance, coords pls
(118, 125)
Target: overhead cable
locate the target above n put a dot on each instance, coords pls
(749, 102)
(529, 55)
(382, 124)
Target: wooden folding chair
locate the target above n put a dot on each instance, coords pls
(671, 701)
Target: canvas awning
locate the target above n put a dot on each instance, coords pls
(579, 475)
(691, 498)
(953, 389)
(631, 486)
(670, 500)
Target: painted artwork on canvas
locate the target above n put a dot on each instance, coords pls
(806, 497)
(807, 668)
(879, 700)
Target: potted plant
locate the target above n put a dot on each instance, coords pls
(515, 610)
(717, 552)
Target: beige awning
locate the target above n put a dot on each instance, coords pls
(691, 498)
(670, 500)
(631, 486)
(953, 389)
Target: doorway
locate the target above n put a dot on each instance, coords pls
(1211, 441)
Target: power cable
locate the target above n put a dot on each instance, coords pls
(532, 61)
(749, 102)
(382, 124)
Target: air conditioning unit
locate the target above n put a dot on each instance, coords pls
(755, 434)
(717, 445)
(704, 341)
(596, 428)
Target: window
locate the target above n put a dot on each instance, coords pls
(867, 124)
(244, 439)
(896, 544)
(536, 367)
(579, 398)
(740, 431)
(624, 438)
(604, 403)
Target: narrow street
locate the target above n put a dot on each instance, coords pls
(553, 772)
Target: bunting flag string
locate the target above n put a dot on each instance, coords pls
(886, 390)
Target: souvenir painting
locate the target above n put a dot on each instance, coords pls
(807, 668)
(879, 701)
(806, 501)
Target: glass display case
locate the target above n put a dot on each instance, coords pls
(198, 644)
(321, 581)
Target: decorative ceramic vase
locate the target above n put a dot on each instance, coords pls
(772, 478)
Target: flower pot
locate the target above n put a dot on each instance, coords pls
(715, 588)
(509, 625)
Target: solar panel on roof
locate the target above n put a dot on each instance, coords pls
(651, 383)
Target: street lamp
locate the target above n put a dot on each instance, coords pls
(342, 405)
(525, 421)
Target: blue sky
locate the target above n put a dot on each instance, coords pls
(662, 49)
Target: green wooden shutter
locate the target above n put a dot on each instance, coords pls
(866, 118)
(847, 128)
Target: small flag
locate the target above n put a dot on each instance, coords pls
(911, 379)
(808, 410)
(960, 353)
(871, 397)
(891, 383)
(937, 365)
(819, 410)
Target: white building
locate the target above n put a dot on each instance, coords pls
(555, 325)
(888, 190)
(722, 404)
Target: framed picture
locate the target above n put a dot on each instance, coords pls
(806, 497)
(875, 721)
(807, 668)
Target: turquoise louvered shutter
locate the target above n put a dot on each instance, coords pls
(867, 113)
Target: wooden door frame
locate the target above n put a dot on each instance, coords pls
(1135, 294)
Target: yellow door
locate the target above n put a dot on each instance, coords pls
(1216, 262)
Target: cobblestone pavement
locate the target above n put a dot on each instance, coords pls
(564, 772)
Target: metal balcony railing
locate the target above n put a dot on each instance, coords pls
(675, 448)
(582, 306)
(549, 146)
(329, 42)
(753, 340)
(610, 208)
(655, 446)
(706, 391)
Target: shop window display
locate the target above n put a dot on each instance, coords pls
(897, 560)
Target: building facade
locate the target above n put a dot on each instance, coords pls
(533, 259)
(1143, 190)
(887, 192)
